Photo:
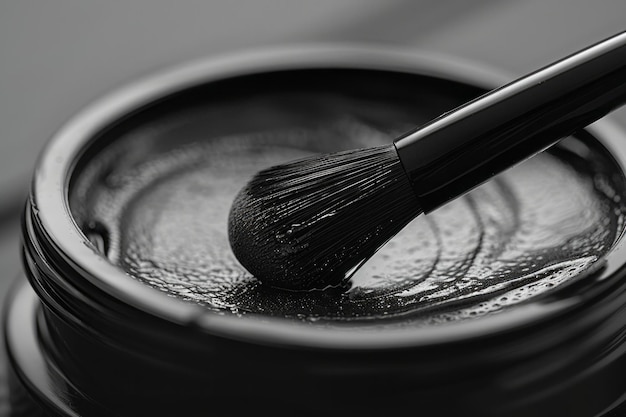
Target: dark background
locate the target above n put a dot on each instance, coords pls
(58, 55)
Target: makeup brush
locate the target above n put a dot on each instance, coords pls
(311, 223)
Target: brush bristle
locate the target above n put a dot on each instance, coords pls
(312, 223)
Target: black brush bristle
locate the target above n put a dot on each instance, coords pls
(309, 224)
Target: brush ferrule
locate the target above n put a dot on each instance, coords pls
(463, 148)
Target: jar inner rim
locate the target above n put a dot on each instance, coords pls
(83, 137)
(154, 201)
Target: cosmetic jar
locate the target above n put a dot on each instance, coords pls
(86, 338)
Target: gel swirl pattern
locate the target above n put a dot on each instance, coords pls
(527, 232)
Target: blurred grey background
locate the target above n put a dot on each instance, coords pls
(58, 55)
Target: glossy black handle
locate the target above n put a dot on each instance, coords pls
(463, 148)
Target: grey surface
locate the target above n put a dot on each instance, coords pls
(10, 267)
(58, 55)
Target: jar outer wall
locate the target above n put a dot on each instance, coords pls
(81, 281)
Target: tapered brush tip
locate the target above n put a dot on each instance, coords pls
(311, 223)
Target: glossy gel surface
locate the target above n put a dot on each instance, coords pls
(156, 203)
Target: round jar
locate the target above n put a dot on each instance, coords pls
(87, 337)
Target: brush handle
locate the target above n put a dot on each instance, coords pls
(463, 148)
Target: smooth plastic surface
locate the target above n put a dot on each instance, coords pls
(467, 146)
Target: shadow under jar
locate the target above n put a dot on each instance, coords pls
(508, 301)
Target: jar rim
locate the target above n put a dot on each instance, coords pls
(50, 201)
